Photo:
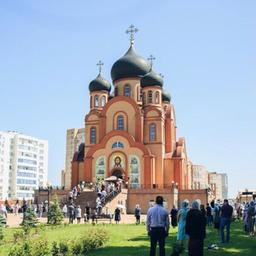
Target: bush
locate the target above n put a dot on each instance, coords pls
(18, 235)
(31, 248)
(2, 224)
(55, 215)
(29, 220)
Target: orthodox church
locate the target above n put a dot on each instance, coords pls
(131, 132)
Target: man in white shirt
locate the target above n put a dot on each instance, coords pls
(158, 226)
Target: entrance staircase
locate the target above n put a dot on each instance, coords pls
(109, 207)
(119, 200)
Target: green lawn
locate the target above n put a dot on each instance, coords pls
(131, 240)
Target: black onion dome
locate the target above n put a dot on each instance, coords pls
(130, 65)
(166, 96)
(99, 84)
(151, 79)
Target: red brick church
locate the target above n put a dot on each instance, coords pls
(130, 132)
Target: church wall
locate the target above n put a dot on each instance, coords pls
(121, 107)
(168, 172)
(145, 197)
(134, 88)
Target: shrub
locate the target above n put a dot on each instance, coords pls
(18, 235)
(29, 220)
(2, 224)
(64, 248)
(55, 249)
(55, 215)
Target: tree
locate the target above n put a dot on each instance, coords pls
(2, 224)
(55, 215)
(29, 219)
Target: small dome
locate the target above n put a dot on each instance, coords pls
(166, 96)
(130, 65)
(99, 84)
(151, 79)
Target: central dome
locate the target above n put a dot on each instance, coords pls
(130, 65)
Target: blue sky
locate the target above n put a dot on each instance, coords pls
(205, 49)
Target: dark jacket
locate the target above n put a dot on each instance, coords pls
(226, 211)
(195, 224)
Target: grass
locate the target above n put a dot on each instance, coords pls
(131, 240)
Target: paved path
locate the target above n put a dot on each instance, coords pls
(15, 220)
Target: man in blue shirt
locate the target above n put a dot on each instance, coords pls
(158, 226)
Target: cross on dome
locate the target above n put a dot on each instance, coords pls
(100, 64)
(151, 58)
(131, 30)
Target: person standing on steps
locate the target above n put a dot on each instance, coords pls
(158, 226)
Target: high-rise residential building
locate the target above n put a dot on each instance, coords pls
(215, 182)
(23, 165)
(74, 138)
(224, 183)
(199, 177)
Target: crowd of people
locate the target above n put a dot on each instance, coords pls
(247, 212)
(105, 191)
(191, 221)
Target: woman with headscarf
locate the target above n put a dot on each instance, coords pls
(182, 214)
(195, 229)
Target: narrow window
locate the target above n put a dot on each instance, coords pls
(157, 97)
(93, 135)
(144, 98)
(127, 90)
(116, 91)
(120, 123)
(96, 101)
(150, 97)
(152, 132)
(103, 101)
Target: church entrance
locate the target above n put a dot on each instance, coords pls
(118, 172)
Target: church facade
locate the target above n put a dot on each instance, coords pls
(131, 132)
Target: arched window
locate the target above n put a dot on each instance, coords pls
(103, 101)
(120, 123)
(100, 168)
(127, 90)
(118, 144)
(152, 132)
(96, 101)
(149, 96)
(93, 135)
(134, 165)
(157, 97)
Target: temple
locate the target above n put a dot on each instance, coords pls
(130, 133)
